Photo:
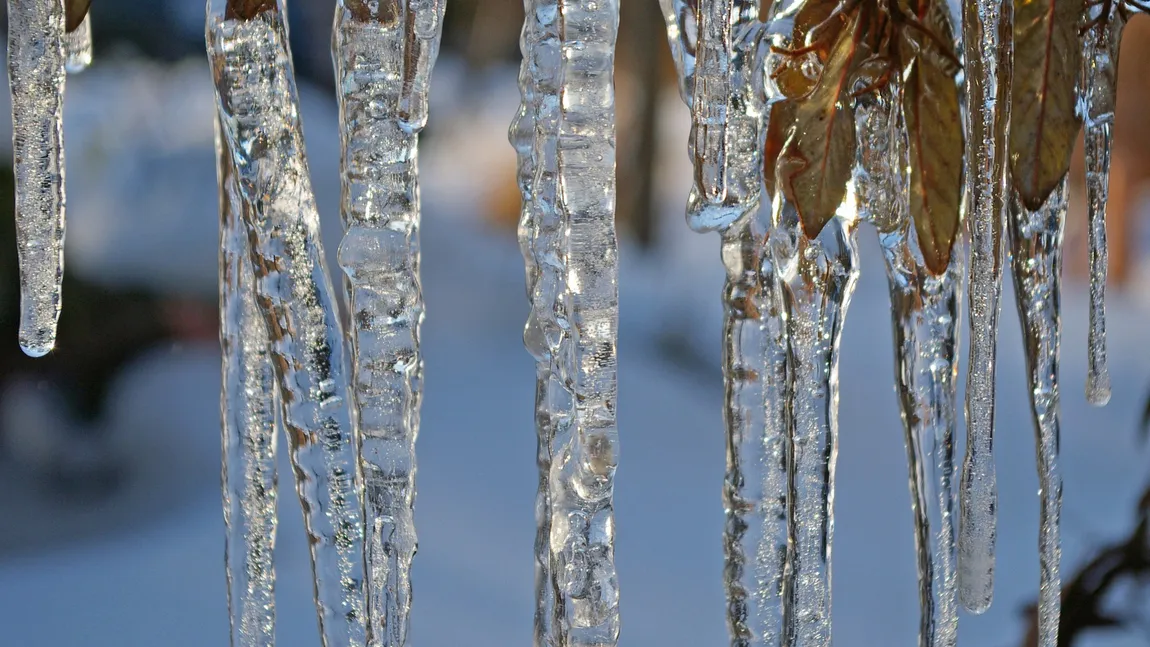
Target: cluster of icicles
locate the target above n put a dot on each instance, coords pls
(351, 429)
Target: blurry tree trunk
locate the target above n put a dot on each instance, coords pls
(642, 47)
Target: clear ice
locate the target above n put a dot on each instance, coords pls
(569, 243)
(78, 47)
(989, 55)
(1036, 260)
(925, 318)
(248, 405)
(1099, 87)
(258, 107)
(383, 67)
(36, 57)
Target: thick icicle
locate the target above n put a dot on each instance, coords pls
(542, 238)
(1100, 88)
(36, 75)
(754, 341)
(817, 277)
(925, 319)
(726, 116)
(988, 46)
(248, 406)
(78, 47)
(258, 107)
(585, 454)
(383, 67)
(1036, 253)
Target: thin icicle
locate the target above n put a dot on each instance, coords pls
(1036, 253)
(78, 47)
(1100, 89)
(988, 46)
(542, 240)
(818, 278)
(585, 455)
(248, 406)
(383, 66)
(36, 77)
(258, 107)
(925, 318)
(682, 35)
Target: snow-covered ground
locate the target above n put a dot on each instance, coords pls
(146, 568)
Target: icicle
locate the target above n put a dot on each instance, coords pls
(78, 47)
(36, 75)
(925, 318)
(1100, 88)
(682, 35)
(988, 44)
(249, 430)
(1036, 244)
(258, 108)
(725, 114)
(542, 240)
(383, 67)
(818, 277)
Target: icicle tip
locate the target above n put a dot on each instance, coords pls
(1098, 388)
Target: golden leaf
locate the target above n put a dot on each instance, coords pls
(1044, 124)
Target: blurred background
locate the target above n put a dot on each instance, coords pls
(110, 520)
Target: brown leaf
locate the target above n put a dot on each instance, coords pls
(1044, 124)
(816, 28)
(386, 13)
(248, 9)
(75, 11)
(816, 160)
(934, 135)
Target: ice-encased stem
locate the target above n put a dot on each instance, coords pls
(259, 110)
(1100, 89)
(988, 41)
(78, 47)
(248, 405)
(925, 321)
(36, 76)
(585, 454)
(1036, 245)
(383, 71)
(543, 242)
(817, 279)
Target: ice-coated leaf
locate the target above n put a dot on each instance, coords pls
(383, 11)
(248, 9)
(934, 136)
(1044, 122)
(75, 11)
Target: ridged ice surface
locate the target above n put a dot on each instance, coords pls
(543, 241)
(248, 408)
(925, 321)
(817, 278)
(258, 107)
(568, 238)
(36, 77)
(682, 35)
(383, 70)
(78, 47)
(1099, 87)
(989, 51)
(1036, 261)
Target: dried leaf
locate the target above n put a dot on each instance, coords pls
(75, 11)
(248, 9)
(934, 133)
(816, 28)
(815, 163)
(387, 11)
(1044, 124)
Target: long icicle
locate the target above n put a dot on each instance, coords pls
(383, 64)
(585, 455)
(1100, 89)
(258, 107)
(36, 75)
(988, 45)
(1036, 245)
(818, 278)
(248, 406)
(925, 320)
(542, 240)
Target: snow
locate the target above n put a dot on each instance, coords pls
(154, 571)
